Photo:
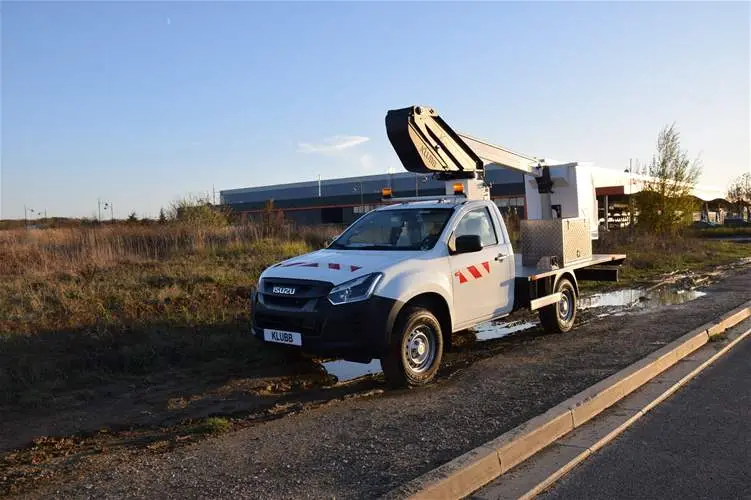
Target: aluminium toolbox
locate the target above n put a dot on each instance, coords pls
(563, 241)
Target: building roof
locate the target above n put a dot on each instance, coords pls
(348, 186)
(626, 183)
(505, 183)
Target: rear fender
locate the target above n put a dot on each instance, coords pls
(571, 276)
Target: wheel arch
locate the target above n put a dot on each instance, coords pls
(435, 303)
(571, 277)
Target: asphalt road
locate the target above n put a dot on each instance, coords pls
(696, 444)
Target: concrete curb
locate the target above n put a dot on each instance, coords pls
(473, 470)
(552, 478)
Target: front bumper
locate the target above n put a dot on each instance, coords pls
(359, 330)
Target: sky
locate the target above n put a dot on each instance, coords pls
(141, 103)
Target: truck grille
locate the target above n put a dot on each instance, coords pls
(306, 326)
(306, 293)
(286, 302)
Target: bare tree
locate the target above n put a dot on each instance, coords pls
(666, 202)
(739, 193)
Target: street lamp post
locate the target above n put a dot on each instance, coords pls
(358, 187)
(630, 171)
(108, 204)
(419, 179)
(26, 212)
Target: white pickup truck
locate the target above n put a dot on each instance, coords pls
(401, 279)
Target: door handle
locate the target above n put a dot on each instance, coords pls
(500, 257)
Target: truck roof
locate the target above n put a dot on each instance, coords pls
(432, 203)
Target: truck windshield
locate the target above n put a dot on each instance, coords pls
(407, 229)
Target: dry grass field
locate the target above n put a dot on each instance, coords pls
(83, 306)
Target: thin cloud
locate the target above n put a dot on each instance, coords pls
(368, 163)
(332, 144)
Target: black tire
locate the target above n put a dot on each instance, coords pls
(414, 328)
(560, 317)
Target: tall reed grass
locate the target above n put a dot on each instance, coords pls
(87, 305)
(45, 251)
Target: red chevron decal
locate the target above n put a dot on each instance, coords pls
(461, 277)
(474, 272)
(486, 265)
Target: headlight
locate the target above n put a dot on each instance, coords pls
(353, 291)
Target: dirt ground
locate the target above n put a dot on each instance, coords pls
(354, 440)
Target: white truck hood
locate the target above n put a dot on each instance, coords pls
(337, 266)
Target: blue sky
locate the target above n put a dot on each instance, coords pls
(142, 103)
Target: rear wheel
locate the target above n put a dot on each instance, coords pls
(560, 317)
(415, 350)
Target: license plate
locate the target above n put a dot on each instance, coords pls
(282, 337)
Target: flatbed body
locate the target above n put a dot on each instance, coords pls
(530, 273)
(535, 288)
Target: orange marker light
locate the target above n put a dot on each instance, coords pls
(458, 188)
(386, 192)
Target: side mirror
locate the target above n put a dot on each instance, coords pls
(468, 243)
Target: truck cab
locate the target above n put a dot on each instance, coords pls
(393, 286)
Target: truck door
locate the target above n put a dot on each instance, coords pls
(482, 281)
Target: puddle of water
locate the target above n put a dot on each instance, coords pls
(349, 370)
(635, 297)
(736, 239)
(496, 329)
(627, 298)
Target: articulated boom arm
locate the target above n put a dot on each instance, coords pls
(502, 157)
(426, 144)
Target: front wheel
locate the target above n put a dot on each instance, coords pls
(559, 317)
(415, 350)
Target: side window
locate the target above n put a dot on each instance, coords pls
(478, 222)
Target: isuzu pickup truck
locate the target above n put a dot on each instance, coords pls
(401, 279)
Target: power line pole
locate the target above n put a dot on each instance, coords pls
(99, 206)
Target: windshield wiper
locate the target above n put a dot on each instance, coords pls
(377, 247)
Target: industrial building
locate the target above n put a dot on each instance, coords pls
(341, 201)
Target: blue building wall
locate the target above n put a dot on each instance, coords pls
(341, 200)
